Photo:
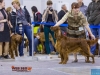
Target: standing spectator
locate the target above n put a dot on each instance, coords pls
(49, 16)
(62, 12)
(83, 7)
(37, 17)
(93, 17)
(24, 17)
(12, 18)
(4, 30)
(76, 22)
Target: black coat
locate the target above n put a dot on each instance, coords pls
(61, 14)
(93, 13)
(12, 18)
(27, 15)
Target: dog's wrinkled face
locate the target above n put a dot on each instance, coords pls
(57, 31)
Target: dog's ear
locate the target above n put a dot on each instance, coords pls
(55, 35)
(55, 28)
(52, 28)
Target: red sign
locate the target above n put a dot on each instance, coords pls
(21, 69)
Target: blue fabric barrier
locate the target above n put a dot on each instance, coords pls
(49, 24)
(63, 25)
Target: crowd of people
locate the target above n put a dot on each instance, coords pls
(78, 19)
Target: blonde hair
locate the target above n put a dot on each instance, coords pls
(16, 1)
(8, 9)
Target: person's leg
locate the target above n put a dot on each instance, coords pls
(75, 56)
(21, 46)
(6, 49)
(36, 43)
(28, 32)
(51, 47)
(0, 49)
(93, 48)
(46, 33)
(52, 33)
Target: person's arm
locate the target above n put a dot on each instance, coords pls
(62, 20)
(44, 14)
(2, 21)
(10, 24)
(56, 17)
(86, 25)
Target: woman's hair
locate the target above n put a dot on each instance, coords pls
(75, 5)
(1, 1)
(34, 9)
(49, 2)
(8, 9)
(16, 1)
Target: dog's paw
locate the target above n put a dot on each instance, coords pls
(93, 62)
(64, 63)
(13, 57)
(88, 61)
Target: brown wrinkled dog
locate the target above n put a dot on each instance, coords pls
(65, 45)
(16, 39)
(42, 40)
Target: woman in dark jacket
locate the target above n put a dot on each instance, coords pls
(23, 16)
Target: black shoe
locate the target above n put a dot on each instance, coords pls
(75, 61)
(6, 57)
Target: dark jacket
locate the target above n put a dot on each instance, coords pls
(61, 14)
(12, 18)
(37, 18)
(27, 15)
(93, 13)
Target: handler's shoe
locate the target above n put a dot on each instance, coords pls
(75, 61)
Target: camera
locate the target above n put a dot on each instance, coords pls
(51, 9)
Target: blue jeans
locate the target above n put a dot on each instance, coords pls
(28, 31)
(96, 33)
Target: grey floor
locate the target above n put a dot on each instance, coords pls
(44, 65)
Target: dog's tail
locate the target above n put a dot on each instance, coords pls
(92, 42)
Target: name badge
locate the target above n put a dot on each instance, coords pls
(81, 28)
